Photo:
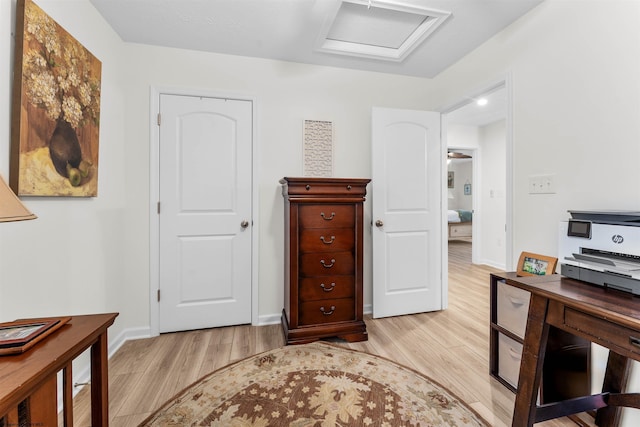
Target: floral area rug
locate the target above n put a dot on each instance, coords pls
(317, 384)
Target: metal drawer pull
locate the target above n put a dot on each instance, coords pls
(634, 341)
(328, 313)
(333, 261)
(324, 288)
(327, 218)
(333, 238)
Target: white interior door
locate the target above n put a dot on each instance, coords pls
(407, 213)
(205, 212)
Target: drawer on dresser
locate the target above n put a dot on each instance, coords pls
(326, 215)
(326, 263)
(326, 311)
(325, 189)
(326, 239)
(323, 287)
(512, 308)
(509, 357)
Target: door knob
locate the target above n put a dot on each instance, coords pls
(244, 224)
(379, 223)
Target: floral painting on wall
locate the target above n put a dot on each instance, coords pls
(55, 109)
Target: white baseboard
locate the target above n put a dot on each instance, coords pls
(493, 264)
(367, 309)
(269, 319)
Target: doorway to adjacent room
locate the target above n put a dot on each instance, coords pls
(477, 132)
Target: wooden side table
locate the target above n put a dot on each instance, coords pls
(606, 317)
(28, 395)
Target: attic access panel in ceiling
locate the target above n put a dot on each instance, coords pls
(380, 29)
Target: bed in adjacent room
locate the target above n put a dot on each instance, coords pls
(459, 222)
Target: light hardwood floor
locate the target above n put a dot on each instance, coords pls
(449, 346)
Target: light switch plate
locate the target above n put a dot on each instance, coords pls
(542, 184)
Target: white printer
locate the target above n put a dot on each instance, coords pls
(602, 248)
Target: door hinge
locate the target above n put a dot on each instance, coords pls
(159, 120)
(158, 208)
(158, 295)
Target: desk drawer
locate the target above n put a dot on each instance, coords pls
(509, 358)
(513, 308)
(607, 332)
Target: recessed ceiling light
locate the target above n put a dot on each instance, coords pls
(482, 102)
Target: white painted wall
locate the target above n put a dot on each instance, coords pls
(576, 94)
(286, 94)
(462, 174)
(71, 259)
(489, 143)
(576, 107)
(461, 137)
(492, 196)
(91, 255)
(576, 103)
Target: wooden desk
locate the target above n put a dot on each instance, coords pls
(28, 395)
(609, 318)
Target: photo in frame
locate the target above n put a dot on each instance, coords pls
(20, 335)
(530, 264)
(55, 109)
(450, 179)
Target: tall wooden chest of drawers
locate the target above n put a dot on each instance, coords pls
(323, 259)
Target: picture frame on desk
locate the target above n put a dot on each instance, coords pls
(20, 335)
(531, 264)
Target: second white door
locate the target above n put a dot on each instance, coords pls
(407, 213)
(205, 212)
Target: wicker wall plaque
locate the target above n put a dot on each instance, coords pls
(318, 148)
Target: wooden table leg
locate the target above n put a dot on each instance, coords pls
(615, 381)
(99, 383)
(42, 406)
(67, 395)
(533, 350)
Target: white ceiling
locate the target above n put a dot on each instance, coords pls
(473, 114)
(295, 30)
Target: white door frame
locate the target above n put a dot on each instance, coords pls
(476, 205)
(154, 197)
(506, 82)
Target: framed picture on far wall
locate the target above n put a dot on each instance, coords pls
(450, 179)
(55, 109)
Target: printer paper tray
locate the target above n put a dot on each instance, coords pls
(605, 279)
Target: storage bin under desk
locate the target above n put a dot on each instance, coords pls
(566, 365)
